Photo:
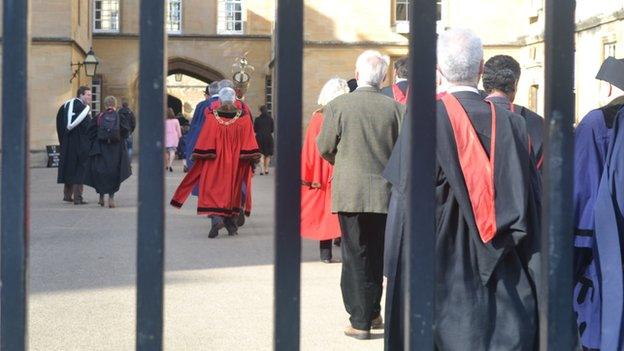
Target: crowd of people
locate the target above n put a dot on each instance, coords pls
(489, 159)
(94, 151)
(354, 180)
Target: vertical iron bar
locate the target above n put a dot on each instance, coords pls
(419, 248)
(150, 252)
(15, 173)
(289, 61)
(557, 318)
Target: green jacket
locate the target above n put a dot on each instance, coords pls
(358, 135)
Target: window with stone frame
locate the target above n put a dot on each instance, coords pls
(230, 17)
(106, 16)
(609, 50)
(174, 16)
(96, 95)
(401, 14)
(533, 97)
(268, 93)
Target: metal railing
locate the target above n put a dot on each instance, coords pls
(557, 323)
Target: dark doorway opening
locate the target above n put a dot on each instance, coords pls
(174, 103)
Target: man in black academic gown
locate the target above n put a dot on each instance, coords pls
(398, 90)
(487, 213)
(500, 80)
(72, 126)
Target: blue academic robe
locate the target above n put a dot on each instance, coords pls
(592, 139)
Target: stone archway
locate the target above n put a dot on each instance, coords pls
(193, 69)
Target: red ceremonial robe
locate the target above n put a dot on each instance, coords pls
(317, 220)
(223, 154)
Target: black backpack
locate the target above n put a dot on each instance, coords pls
(108, 126)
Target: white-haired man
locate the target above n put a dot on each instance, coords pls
(358, 136)
(487, 216)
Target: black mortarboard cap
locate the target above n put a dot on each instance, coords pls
(612, 71)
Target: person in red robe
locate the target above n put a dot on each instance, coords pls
(223, 154)
(317, 220)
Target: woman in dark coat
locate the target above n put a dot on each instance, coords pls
(108, 164)
(263, 126)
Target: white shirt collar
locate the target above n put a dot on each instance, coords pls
(458, 88)
(399, 80)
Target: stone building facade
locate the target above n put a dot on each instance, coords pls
(205, 36)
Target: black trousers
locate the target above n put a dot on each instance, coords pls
(325, 247)
(362, 265)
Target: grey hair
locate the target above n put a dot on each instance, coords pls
(372, 68)
(213, 88)
(460, 54)
(226, 83)
(110, 101)
(332, 89)
(227, 95)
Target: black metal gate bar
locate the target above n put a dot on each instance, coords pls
(15, 173)
(557, 319)
(289, 61)
(419, 248)
(150, 253)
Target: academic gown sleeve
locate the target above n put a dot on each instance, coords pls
(311, 167)
(329, 137)
(609, 226)
(249, 149)
(61, 123)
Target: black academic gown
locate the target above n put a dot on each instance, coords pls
(74, 145)
(485, 293)
(108, 165)
(534, 123)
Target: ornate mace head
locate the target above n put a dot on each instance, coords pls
(241, 74)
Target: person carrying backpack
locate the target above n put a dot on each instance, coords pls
(108, 165)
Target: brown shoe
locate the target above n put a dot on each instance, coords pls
(357, 333)
(377, 323)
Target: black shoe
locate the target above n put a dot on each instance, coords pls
(68, 199)
(230, 226)
(240, 221)
(337, 242)
(170, 169)
(185, 169)
(80, 202)
(214, 231)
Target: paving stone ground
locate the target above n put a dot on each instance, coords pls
(218, 293)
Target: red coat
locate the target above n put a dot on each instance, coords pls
(317, 220)
(223, 155)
